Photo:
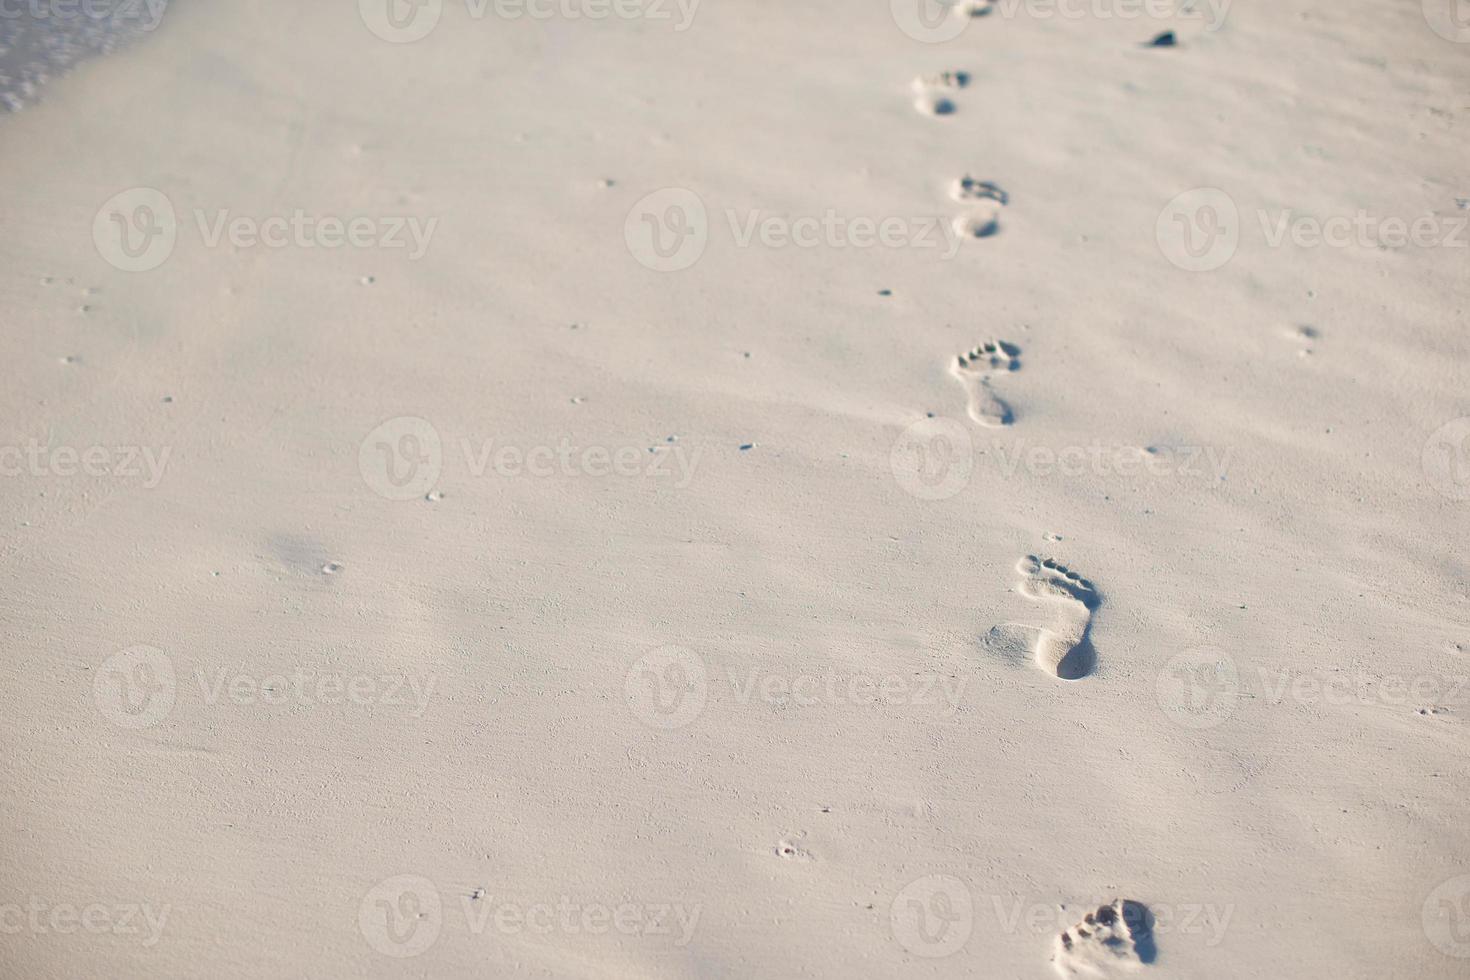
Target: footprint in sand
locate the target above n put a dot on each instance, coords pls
(977, 224)
(1112, 939)
(946, 80)
(973, 370)
(792, 849)
(934, 104)
(986, 200)
(967, 188)
(933, 91)
(1064, 648)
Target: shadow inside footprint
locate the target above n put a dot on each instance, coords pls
(1112, 938)
(1080, 661)
(996, 410)
(1063, 648)
(1140, 922)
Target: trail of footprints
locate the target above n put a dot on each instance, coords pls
(1118, 936)
(934, 95)
(1062, 648)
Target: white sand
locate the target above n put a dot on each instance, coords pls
(504, 742)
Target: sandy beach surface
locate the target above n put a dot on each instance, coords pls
(660, 489)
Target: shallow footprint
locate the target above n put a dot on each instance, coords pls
(934, 104)
(791, 849)
(979, 224)
(948, 81)
(968, 188)
(1062, 649)
(1111, 939)
(973, 369)
(986, 198)
(932, 91)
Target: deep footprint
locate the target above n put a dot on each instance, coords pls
(1063, 649)
(1111, 939)
(973, 370)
